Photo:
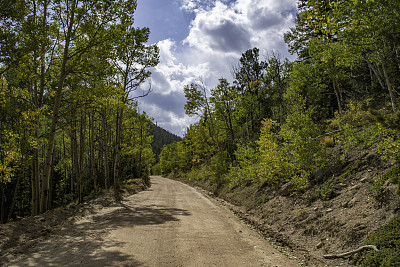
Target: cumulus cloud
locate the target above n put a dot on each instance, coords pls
(166, 101)
(234, 27)
(218, 34)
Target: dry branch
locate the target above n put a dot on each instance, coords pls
(343, 255)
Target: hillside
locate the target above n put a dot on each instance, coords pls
(344, 209)
(161, 137)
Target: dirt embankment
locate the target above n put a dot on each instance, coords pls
(312, 224)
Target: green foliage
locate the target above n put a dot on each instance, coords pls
(219, 166)
(291, 152)
(195, 99)
(11, 156)
(307, 81)
(272, 166)
(326, 192)
(355, 128)
(387, 240)
(201, 173)
(245, 171)
(199, 144)
(376, 188)
(156, 169)
(302, 147)
(328, 141)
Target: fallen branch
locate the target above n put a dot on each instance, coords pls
(344, 255)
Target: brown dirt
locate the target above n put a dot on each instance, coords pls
(311, 229)
(16, 238)
(170, 224)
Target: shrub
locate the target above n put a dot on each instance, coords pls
(327, 141)
(272, 163)
(387, 240)
(246, 168)
(376, 188)
(326, 192)
(219, 167)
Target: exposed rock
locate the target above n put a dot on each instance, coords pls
(355, 187)
(286, 188)
(340, 186)
(353, 201)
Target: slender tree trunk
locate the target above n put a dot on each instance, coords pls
(35, 183)
(232, 132)
(35, 177)
(389, 87)
(337, 98)
(398, 58)
(118, 136)
(3, 202)
(82, 144)
(376, 72)
(92, 154)
(105, 150)
(38, 100)
(141, 137)
(74, 154)
(213, 129)
(44, 201)
(64, 157)
(12, 207)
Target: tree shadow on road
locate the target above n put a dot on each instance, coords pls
(85, 242)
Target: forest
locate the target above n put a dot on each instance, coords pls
(70, 73)
(278, 120)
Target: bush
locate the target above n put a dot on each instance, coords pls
(219, 167)
(387, 240)
(156, 169)
(245, 170)
(327, 141)
(272, 162)
(202, 173)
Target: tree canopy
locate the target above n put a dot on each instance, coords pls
(69, 70)
(275, 122)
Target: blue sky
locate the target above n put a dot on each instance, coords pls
(204, 39)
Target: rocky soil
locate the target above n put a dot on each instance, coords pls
(311, 227)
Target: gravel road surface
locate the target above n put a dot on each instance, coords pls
(170, 224)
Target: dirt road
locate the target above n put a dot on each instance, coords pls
(170, 224)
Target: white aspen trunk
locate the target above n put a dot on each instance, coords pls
(92, 154)
(118, 135)
(105, 151)
(389, 87)
(44, 201)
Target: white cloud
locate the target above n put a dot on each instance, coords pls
(236, 27)
(219, 33)
(196, 5)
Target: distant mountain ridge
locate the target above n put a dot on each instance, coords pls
(161, 137)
